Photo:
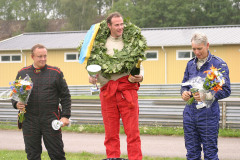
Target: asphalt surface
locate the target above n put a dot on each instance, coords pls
(162, 146)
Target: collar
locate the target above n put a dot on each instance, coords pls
(115, 39)
(39, 70)
(205, 60)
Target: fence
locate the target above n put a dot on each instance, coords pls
(145, 90)
(163, 112)
(150, 90)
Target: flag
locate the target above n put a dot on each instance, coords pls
(88, 43)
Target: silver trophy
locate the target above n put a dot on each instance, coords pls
(93, 71)
(56, 124)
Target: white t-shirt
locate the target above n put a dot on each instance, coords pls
(114, 43)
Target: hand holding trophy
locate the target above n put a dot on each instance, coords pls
(57, 124)
(93, 71)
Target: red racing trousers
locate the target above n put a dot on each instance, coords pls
(119, 99)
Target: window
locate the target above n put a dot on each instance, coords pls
(10, 58)
(151, 55)
(16, 58)
(5, 58)
(184, 54)
(71, 57)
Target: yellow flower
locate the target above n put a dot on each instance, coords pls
(18, 84)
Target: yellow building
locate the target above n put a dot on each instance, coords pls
(168, 53)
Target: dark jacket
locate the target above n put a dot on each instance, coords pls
(49, 89)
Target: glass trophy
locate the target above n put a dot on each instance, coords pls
(93, 71)
(57, 124)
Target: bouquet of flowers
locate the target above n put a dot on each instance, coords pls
(214, 81)
(20, 91)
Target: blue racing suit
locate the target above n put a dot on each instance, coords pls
(201, 125)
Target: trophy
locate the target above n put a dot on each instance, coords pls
(56, 124)
(93, 71)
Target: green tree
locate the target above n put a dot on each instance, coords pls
(37, 23)
(81, 14)
(6, 10)
(22, 9)
(102, 6)
(173, 13)
(236, 12)
(217, 12)
(125, 7)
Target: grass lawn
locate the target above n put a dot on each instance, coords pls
(21, 155)
(144, 130)
(148, 130)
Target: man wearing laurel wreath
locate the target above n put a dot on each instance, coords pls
(49, 89)
(119, 98)
(201, 123)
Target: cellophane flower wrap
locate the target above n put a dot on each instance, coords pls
(21, 90)
(212, 83)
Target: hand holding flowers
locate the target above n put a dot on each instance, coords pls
(21, 90)
(214, 81)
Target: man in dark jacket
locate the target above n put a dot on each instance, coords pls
(49, 89)
(201, 123)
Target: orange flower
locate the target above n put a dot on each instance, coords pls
(14, 90)
(217, 88)
(213, 68)
(28, 87)
(210, 73)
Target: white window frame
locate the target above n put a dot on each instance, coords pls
(67, 53)
(10, 61)
(151, 51)
(177, 53)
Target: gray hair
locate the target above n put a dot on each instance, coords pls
(199, 38)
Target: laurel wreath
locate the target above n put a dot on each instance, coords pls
(122, 61)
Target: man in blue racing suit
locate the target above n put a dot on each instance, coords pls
(201, 123)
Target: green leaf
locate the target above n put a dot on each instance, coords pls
(123, 60)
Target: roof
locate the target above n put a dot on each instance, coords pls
(170, 36)
(181, 36)
(51, 40)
